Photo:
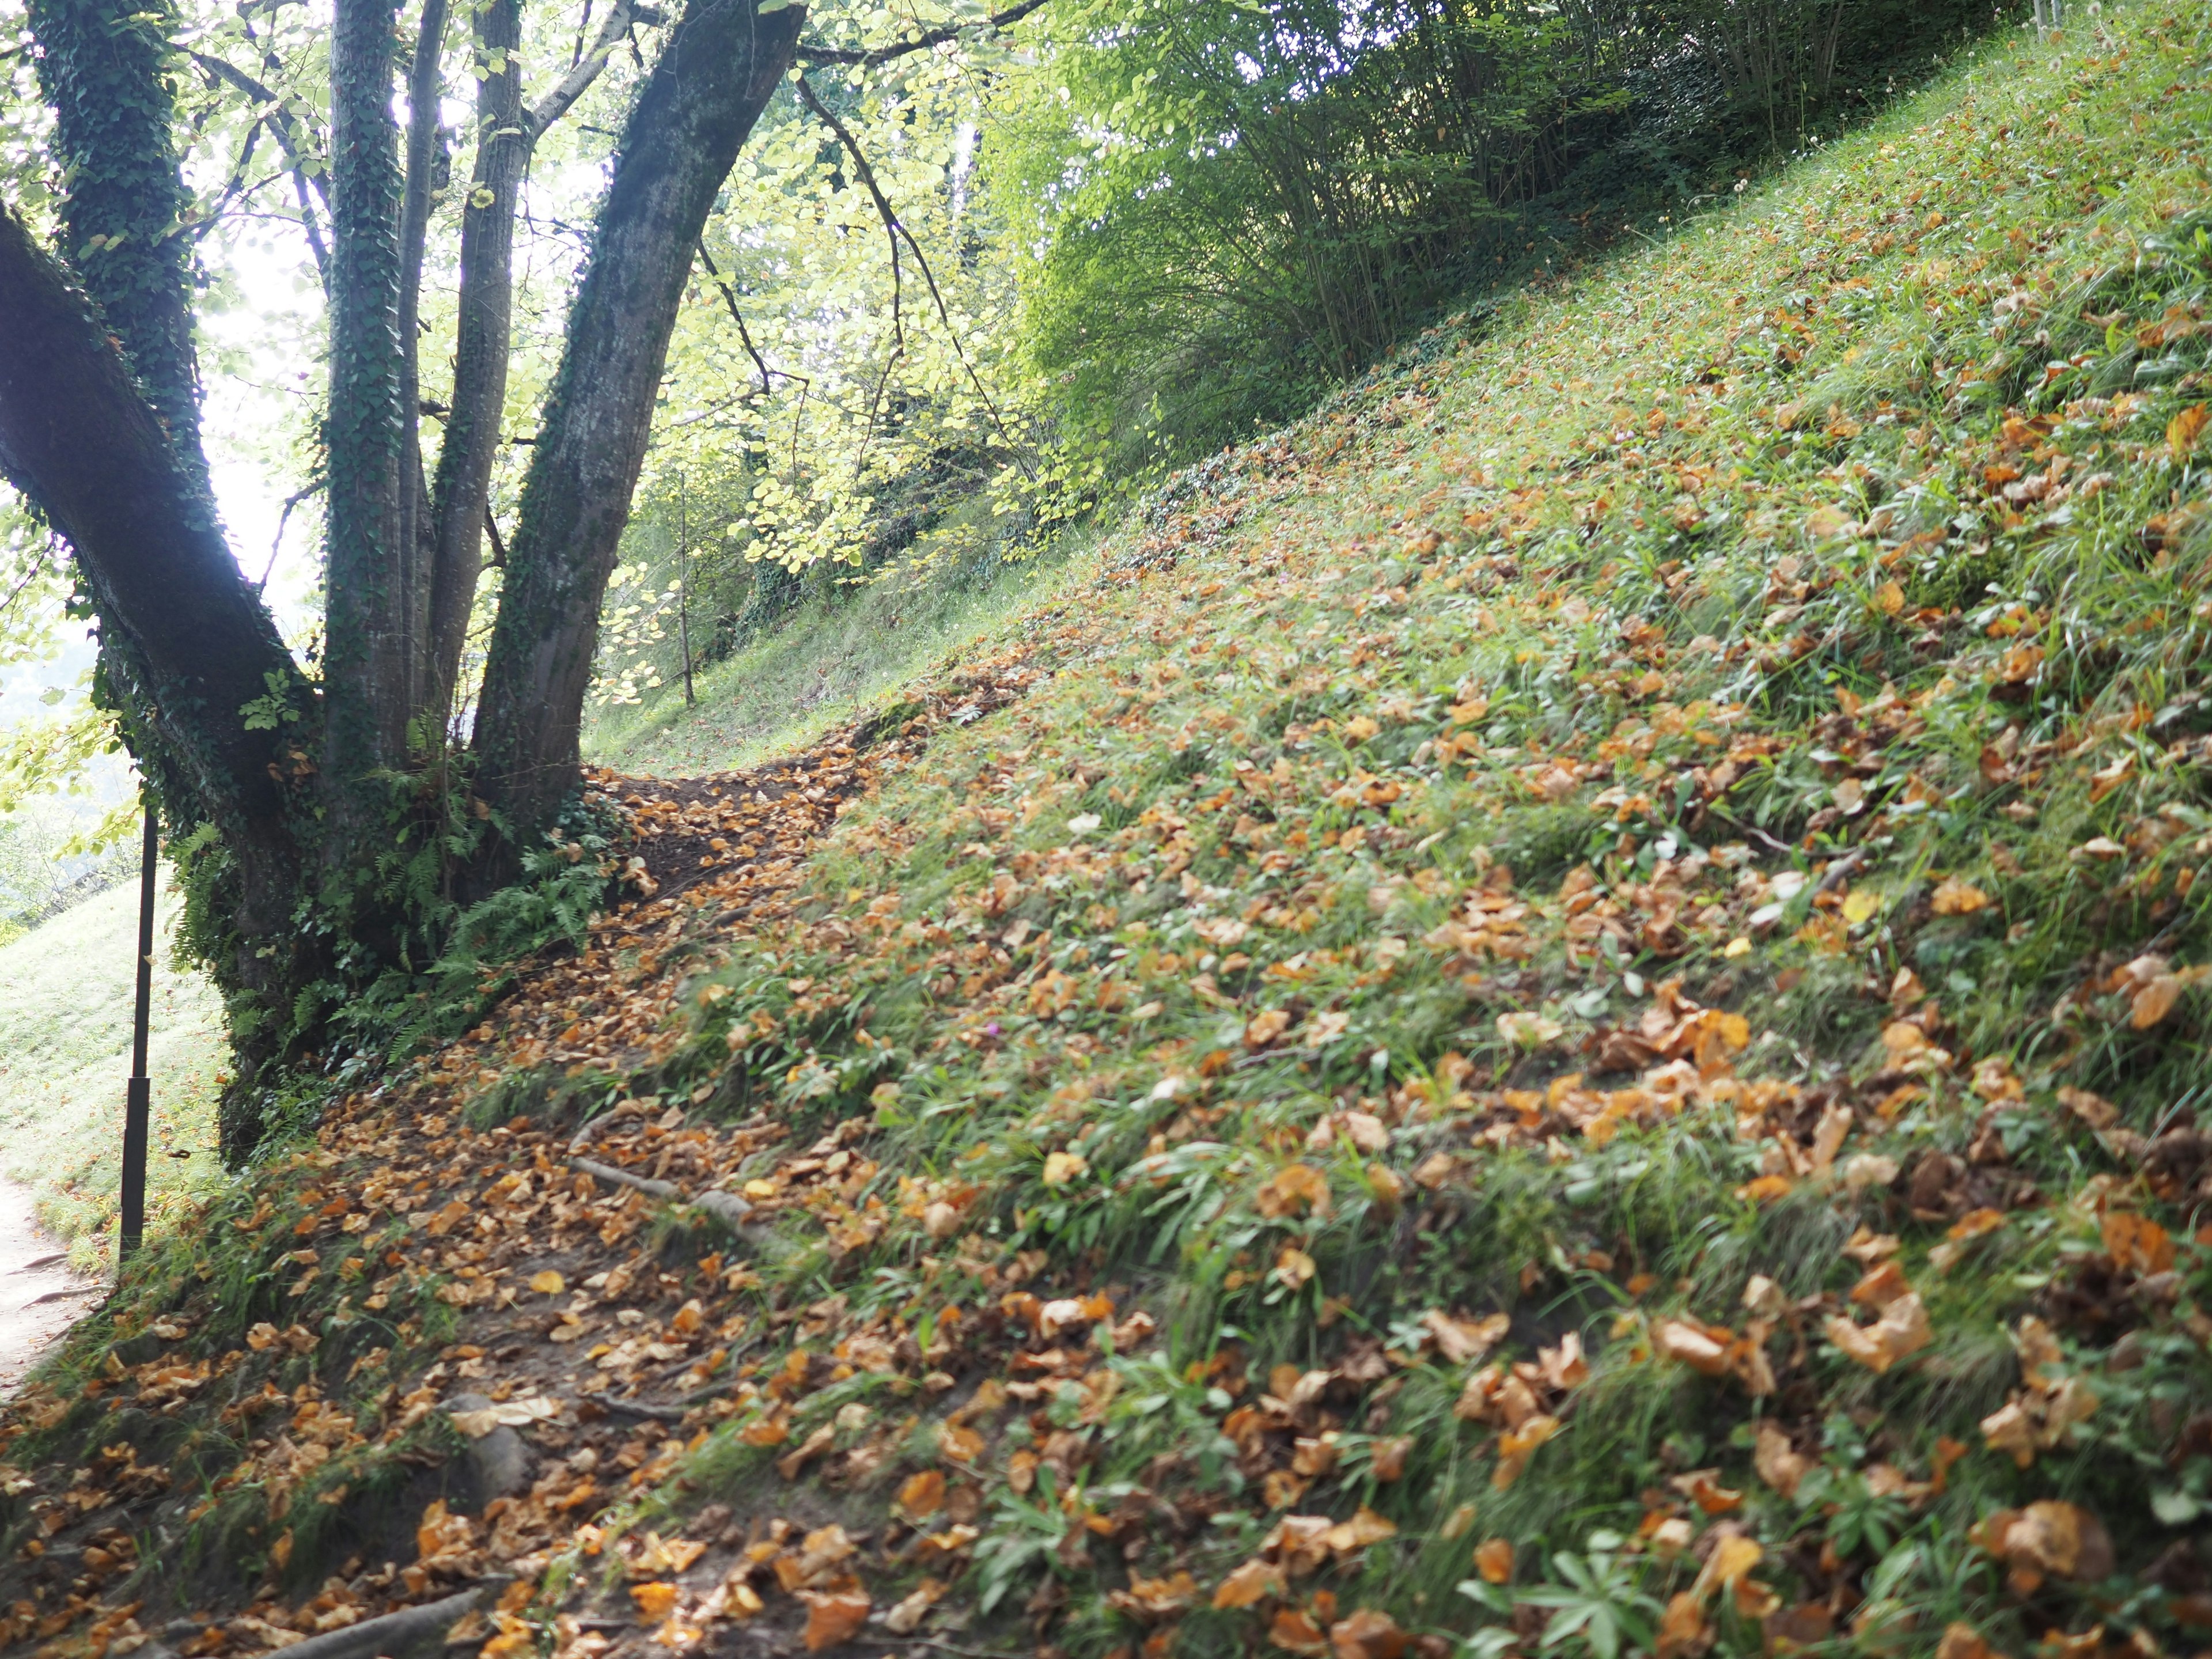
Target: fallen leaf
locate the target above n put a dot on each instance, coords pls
(1256, 1578)
(1954, 897)
(654, 1601)
(548, 1283)
(832, 1617)
(1369, 1633)
(1493, 1559)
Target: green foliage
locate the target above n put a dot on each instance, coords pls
(1242, 207)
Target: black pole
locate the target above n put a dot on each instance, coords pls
(138, 1097)
(683, 585)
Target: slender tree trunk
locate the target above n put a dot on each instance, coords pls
(415, 549)
(371, 627)
(461, 494)
(715, 75)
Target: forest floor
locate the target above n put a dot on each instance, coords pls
(1565, 1008)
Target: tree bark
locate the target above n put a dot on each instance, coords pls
(101, 66)
(373, 629)
(416, 547)
(186, 642)
(719, 66)
(460, 496)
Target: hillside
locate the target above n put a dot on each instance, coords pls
(66, 1002)
(1562, 1008)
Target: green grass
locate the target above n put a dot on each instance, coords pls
(1675, 633)
(65, 1006)
(829, 658)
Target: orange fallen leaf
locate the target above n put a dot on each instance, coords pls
(655, 1601)
(1493, 1559)
(1256, 1578)
(1369, 1633)
(832, 1617)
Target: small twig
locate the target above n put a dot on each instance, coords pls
(730, 299)
(1843, 869)
(870, 57)
(395, 1632)
(1754, 832)
(637, 1407)
(941, 1646)
(727, 1207)
(895, 228)
(276, 545)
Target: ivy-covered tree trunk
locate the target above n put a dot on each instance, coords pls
(102, 65)
(373, 631)
(186, 646)
(713, 78)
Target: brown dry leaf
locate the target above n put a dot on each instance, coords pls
(959, 1443)
(1778, 1463)
(906, 1617)
(1294, 1267)
(833, 1616)
(1349, 1537)
(2049, 1538)
(1702, 1488)
(1256, 1578)
(1881, 1287)
(923, 1494)
(1732, 1558)
(1060, 1168)
(654, 1601)
(1965, 1642)
(1158, 1598)
(1297, 1632)
(2093, 1109)
(1460, 1340)
(1902, 1330)
(1295, 1187)
(1265, 1027)
(1954, 897)
(813, 1447)
(1682, 1626)
(1517, 1447)
(1385, 1459)
(2133, 1242)
(548, 1283)
(2184, 429)
(1369, 1633)
(1690, 1347)
(1493, 1559)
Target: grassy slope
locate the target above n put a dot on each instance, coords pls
(1591, 832)
(821, 665)
(66, 1002)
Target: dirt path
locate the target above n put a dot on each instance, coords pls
(40, 1296)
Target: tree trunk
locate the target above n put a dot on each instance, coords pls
(101, 66)
(424, 158)
(371, 627)
(461, 495)
(722, 63)
(185, 643)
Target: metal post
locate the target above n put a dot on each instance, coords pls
(138, 1097)
(684, 587)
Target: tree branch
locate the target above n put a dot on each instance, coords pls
(893, 225)
(573, 85)
(817, 56)
(730, 299)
